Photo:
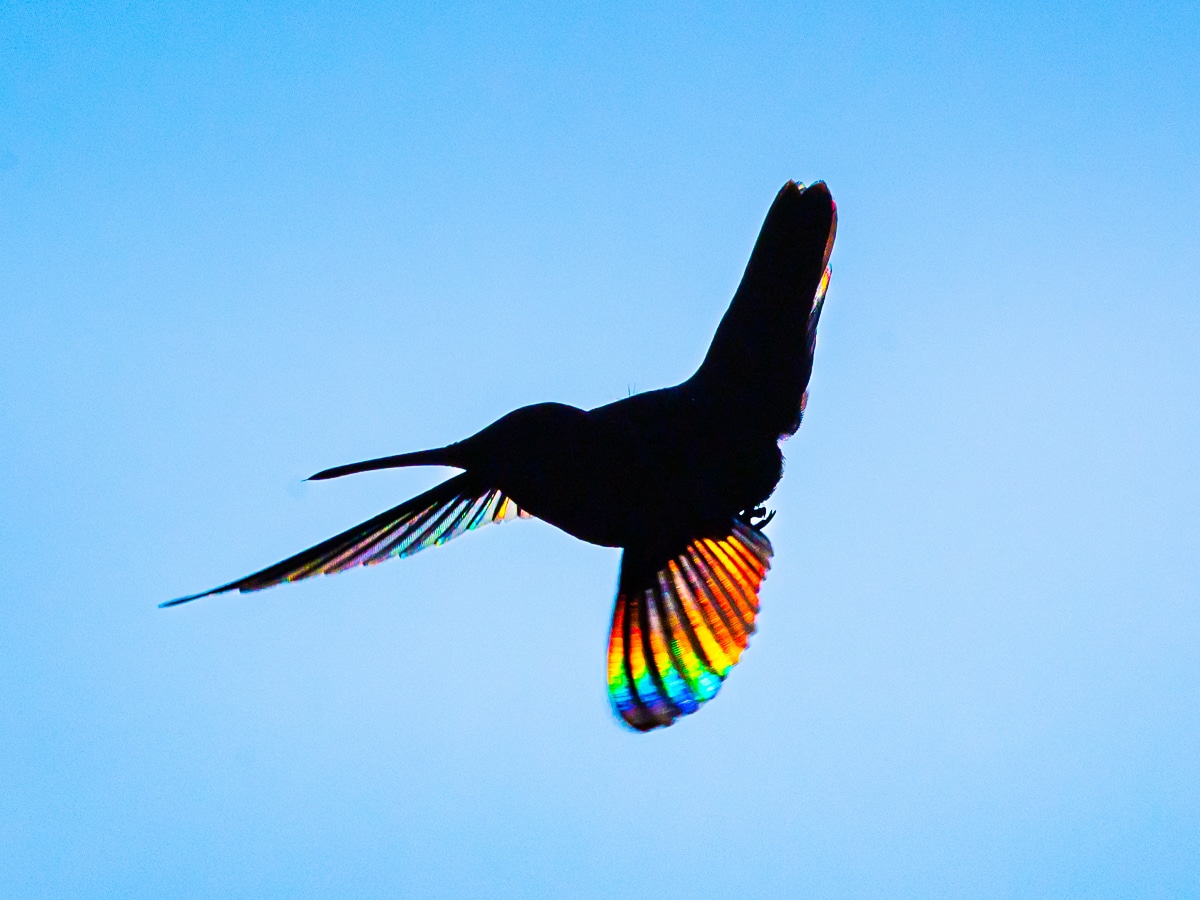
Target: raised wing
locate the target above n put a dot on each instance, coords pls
(678, 627)
(760, 359)
(444, 512)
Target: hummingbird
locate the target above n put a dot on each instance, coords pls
(677, 478)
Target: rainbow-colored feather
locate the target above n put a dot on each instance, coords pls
(452, 508)
(674, 640)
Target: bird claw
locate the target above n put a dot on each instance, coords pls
(758, 517)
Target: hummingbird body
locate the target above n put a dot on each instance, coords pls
(675, 477)
(646, 470)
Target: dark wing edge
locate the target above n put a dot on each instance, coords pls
(678, 629)
(440, 514)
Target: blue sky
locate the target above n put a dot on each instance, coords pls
(240, 244)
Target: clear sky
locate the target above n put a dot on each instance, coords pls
(242, 243)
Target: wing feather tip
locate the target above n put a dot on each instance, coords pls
(642, 720)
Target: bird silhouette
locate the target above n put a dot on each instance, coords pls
(675, 477)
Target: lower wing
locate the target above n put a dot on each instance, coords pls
(444, 512)
(679, 626)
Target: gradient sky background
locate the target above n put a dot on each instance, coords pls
(241, 244)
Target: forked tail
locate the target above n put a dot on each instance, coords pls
(761, 356)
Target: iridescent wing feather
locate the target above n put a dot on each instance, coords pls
(677, 630)
(440, 514)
